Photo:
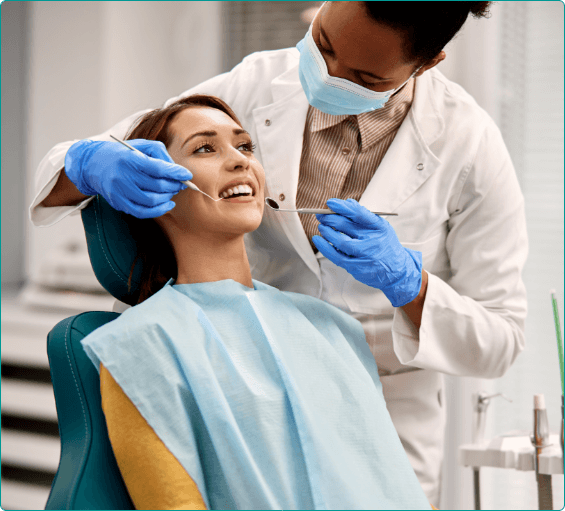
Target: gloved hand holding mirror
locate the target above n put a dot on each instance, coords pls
(367, 247)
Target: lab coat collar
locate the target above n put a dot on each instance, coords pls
(425, 112)
(280, 129)
(287, 83)
(409, 161)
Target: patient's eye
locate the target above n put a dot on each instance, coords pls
(248, 147)
(205, 147)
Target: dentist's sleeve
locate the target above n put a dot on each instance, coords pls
(473, 324)
(50, 168)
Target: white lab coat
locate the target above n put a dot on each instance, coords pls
(449, 177)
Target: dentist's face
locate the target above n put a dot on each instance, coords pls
(219, 153)
(357, 48)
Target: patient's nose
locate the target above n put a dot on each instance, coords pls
(236, 160)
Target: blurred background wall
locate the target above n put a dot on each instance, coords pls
(72, 69)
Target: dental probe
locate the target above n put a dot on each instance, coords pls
(188, 183)
(273, 204)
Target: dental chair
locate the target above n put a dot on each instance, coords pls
(88, 476)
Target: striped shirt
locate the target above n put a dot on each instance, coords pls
(341, 153)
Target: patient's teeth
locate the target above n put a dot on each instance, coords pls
(240, 189)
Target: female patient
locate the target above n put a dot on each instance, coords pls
(222, 392)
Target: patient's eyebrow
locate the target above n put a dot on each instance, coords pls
(200, 134)
(236, 131)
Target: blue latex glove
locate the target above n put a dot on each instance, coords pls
(141, 185)
(367, 247)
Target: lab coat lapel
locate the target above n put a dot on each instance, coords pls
(280, 129)
(409, 161)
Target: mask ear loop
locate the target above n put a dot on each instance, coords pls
(394, 91)
(412, 75)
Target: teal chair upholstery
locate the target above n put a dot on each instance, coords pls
(88, 476)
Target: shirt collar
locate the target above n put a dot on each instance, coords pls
(395, 110)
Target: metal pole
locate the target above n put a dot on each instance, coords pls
(477, 487)
(540, 439)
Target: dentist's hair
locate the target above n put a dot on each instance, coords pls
(428, 26)
(154, 251)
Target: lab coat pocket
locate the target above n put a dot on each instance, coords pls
(368, 300)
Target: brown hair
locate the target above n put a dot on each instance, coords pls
(154, 251)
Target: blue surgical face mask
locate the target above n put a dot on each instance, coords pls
(335, 96)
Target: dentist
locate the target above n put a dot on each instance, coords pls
(357, 118)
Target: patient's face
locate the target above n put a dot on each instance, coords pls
(219, 154)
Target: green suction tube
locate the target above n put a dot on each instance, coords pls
(559, 341)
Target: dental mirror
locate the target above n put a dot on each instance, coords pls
(188, 183)
(273, 204)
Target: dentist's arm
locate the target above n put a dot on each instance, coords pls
(472, 324)
(138, 183)
(415, 308)
(64, 193)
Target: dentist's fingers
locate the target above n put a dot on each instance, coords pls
(330, 252)
(351, 209)
(340, 241)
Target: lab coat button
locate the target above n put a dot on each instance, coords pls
(345, 150)
(420, 166)
(282, 197)
(267, 122)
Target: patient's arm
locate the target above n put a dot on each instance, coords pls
(153, 476)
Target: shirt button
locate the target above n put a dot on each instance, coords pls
(345, 150)
(267, 122)
(282, 197)
(420, 166)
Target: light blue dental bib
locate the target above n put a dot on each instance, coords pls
(268, 399)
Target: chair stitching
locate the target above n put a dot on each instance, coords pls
(81, 404)
(102, 246)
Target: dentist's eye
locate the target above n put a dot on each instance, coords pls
(324, 50)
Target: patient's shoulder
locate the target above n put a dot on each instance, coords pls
(152, 316)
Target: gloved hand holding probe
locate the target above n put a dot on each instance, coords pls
(141, 185)
(368, 248)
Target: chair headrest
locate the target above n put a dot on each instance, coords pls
(112, 249)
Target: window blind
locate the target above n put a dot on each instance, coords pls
(256, 26)
(531, 79)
